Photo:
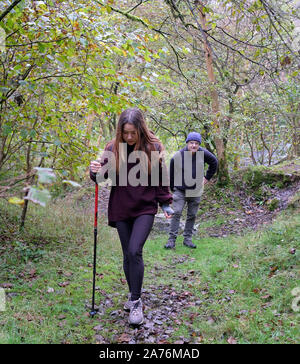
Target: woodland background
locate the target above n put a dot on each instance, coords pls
(227, 69)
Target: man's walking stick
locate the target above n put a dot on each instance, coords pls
(93, 312)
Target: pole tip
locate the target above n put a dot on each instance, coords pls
(93, 313)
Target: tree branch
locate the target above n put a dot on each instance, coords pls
(23, 77)
(132, 17)
(59, 75)
(36, 42)
(140, 3)
(276, 30)
(243, 42)
(8, 10)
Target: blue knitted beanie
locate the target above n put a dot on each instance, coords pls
(193, 136)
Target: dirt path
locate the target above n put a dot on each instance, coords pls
(163, 311)
(250, 216)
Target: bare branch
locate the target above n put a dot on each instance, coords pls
(58, 75)
(9, 9)
(133, 17)
(277, 31)
(36, 42)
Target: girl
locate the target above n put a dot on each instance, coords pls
(132, 207)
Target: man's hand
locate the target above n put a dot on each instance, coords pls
(168, 211)
(95, 166)
(205, 181)
(167, 216)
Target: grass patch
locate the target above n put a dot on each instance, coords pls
(239, 287)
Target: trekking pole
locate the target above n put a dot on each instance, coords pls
(93, 312)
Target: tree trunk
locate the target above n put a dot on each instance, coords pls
(223, 176)
(28, 172)
(90, 120)
(296, 137)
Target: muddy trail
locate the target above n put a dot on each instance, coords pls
(163, 307)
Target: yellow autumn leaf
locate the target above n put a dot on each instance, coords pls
(16, 201)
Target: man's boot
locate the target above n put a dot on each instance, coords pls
(189, 244)
(170, 244)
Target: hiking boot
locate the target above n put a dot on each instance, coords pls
(170, 244)
(128, 303)
(189, 244)
(136, 316)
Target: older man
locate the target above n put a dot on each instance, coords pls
(183, 191)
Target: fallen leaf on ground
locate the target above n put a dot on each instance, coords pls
(98, 328)
(32, 273)
(64, 284)
(232, 340)
(163, 341)
(124, 338)
(6, 285)
(179, 342)
(29, 317)
(266, 297)
(99, 339)
(68, 274)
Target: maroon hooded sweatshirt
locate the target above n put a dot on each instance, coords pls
(126, 202)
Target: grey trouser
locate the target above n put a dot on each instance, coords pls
(179, 200)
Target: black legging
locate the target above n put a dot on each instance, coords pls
(133, 234)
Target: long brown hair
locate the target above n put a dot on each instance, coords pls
(146, 140)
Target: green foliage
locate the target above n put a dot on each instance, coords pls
(255, 176)
(58, 71)
(64, 80)
(27, 253)
(294, 201)
(273, 204)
